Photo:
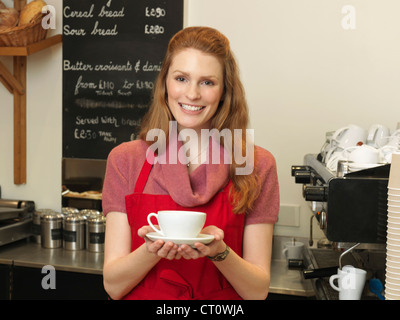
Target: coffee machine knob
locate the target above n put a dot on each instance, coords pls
(303, 177)
(315, 193)
(301, 174)
(299, 168)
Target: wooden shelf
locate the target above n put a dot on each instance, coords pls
(16, 85)
(32, 48)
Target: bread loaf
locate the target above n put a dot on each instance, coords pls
(30, 11)
(8, 18)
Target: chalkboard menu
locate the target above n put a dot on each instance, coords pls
(112, 53)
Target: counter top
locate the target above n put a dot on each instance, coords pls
(284, 280)
(29, 254)
(289, 281)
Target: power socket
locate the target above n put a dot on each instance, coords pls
(289, 215)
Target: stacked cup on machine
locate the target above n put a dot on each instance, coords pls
(392, 281)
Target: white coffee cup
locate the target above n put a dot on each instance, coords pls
(394, 139)
(349, 136)
(363, 154)
(378, 135)
(293, 250)
(178, 224)
(333, 157)
(386, 152)
(351, 282)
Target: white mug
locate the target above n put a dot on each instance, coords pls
(349, 136)
(351, 282)
(293, 250)
(333, 157)
(178, 224)
(386, 152)
(394, 139)
(378, 136)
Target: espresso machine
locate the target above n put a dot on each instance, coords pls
(351, 210)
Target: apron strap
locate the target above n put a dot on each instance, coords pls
(144, 173)
(228, 185)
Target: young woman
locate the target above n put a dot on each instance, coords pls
(199, 90)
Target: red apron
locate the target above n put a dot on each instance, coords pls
(183, 279)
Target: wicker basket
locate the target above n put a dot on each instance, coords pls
(22, 36)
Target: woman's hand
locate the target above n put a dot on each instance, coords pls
(202, 250)
(167, 250)
(171, 251)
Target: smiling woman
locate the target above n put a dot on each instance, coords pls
(195, 87)
(199, 90)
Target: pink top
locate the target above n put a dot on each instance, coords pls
(126, 160)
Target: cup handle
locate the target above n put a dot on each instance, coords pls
(332, 279)
(348, 150)
(338, 133)
(372, 132)
(329, 153)
(284, 252)
(151, 224)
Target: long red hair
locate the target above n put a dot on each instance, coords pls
(232, 112)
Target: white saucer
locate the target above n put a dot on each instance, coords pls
(202, 238)
(361, 166)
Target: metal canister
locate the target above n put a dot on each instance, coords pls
(69, 210)
(36, 231)
(89, 212)
(73, 232)
(51, 229)
(96, 228)
(36, 228)
(86, 214)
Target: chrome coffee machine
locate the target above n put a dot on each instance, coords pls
(351, 208)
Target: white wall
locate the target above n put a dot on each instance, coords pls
(304, 75)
